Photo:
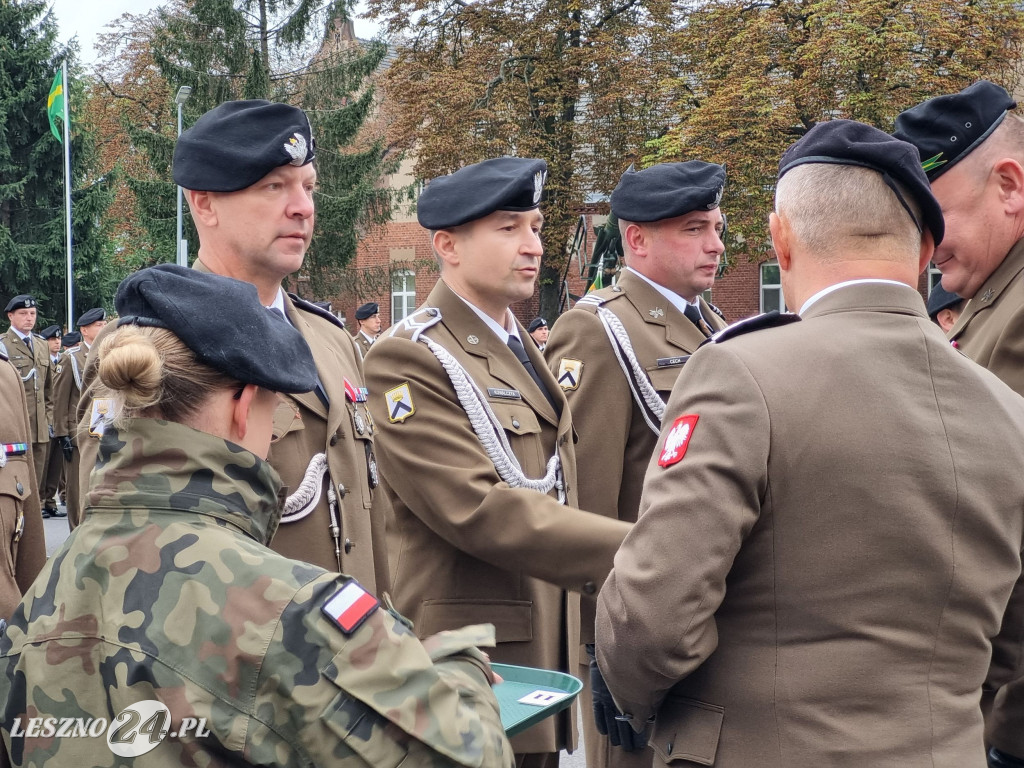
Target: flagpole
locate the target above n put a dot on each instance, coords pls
(67, 192)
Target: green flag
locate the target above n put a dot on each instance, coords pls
(55, 103)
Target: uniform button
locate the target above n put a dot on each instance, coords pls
(342, 490)
(562, 440)
(589, 588)
(21, 488)
(432, 312)
(348, 545)
(515, 423)
(334, 440)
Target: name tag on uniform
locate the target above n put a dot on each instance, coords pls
(669, 362)
(504, 394)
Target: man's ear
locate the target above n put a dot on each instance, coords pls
(444, 242)
(240, 413)
(1009, 176)
(637, 238)
(927, 250)
(781, 236)
(201, 204)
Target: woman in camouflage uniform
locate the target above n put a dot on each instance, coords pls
(165, 632)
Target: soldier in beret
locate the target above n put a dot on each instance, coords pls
(476, 443)
(53, 471)
(30, 355)
(944, 307)
(167, 594)
(618, 352)
(67, 394)
(831, 522)
(248, 173)
(367, 326)
(538, 330)
(972, 148)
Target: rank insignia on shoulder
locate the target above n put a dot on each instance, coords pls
(101, 407)
(350, 606)
(756, 323)
(570, 372)
(677, 439)
(400, 405)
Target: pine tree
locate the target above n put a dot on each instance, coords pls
(290, 51)
(32, 231)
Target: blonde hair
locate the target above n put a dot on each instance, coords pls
(150, 372)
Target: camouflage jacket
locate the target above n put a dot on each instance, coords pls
(167, 593)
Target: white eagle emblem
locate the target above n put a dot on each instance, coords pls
(538, 184)
(296, 149)
(677, 439)
(718, 199)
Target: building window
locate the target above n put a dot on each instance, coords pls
(403, 294)
(771, 288)
(934, 276)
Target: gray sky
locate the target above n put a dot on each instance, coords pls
(87, 18)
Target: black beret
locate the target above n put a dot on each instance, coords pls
(847, 142)
(236, 144)
(501, 184)
(940, 299)
(367, 310)
(70, 339)
(667, 190)
(948, 128)
(22, 301)
(179, 299)
(91, 316)
(50, 332)
(537, 322)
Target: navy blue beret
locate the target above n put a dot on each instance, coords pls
(537, 322)
(70, 339)
(501, 184)
(948, 128)
(940, 299)
(21, 301)
(91, 316)
(367, 310)
(237, 143)
(50, 332)
(179, 299)
(847, 142)
(667, 190)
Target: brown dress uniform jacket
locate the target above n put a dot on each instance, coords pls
(467, 548)
(990, 330)
(362, 342)
(37, 378)
(22, 545)
(835, 547)
(67, 392)
(304, 427)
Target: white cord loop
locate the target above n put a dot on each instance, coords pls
(644, 393)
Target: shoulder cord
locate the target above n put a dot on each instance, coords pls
(303, 501)
(78, 374)
(646, 396)
(482, 418)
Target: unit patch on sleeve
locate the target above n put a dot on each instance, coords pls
(400, 405)
(350, 606)
(677, 439)
(569, 373)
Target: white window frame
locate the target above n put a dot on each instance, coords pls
(774, 287)
(403, 296)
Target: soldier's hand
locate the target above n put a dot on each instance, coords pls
(997, 759)
(66, 447)
(609, 721)
(50, 427)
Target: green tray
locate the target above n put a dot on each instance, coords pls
(520, 682)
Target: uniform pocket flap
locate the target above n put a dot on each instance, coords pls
(512, 619)
(664, 377)
(687, 729)
(14, 479)
(515, 418)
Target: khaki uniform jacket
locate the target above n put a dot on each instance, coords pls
(990, 330)
(615, 443)
(361, 341)
(67, 391)
(37, 377)
(22, 546)
(468, 548)
(303, 427)
(835, 548)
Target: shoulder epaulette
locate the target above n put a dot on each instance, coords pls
(716, 310)
(308, 306)
(750, 324)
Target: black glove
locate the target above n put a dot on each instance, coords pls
(610, 722)
(66, 447)
(997, 759)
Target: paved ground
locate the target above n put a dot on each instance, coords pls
(57, 531)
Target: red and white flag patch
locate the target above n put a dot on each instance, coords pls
(350, 606)
(677, 439)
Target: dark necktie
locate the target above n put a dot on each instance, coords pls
(28, 343)
(321, 393)
(517, 349)
(693, 315)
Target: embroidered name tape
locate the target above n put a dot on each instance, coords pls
(350, 606)
(677, 439)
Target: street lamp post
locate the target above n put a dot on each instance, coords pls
(180, 256)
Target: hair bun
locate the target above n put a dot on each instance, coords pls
(131, 367)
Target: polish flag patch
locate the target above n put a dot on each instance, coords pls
(677, 439)
(350, 606)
